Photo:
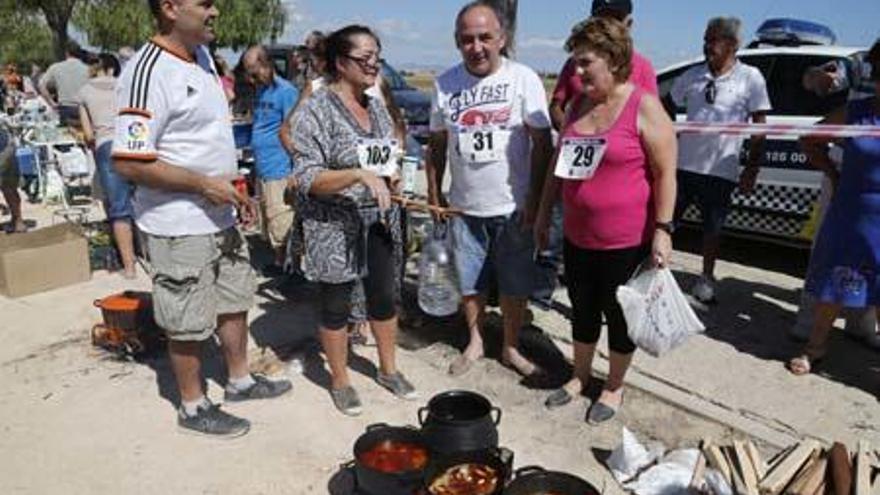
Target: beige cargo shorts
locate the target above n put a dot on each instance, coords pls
(196, 278)
(277, 215)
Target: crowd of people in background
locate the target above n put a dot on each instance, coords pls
(326, 143)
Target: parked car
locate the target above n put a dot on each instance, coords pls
(788, 188)
(414, 104)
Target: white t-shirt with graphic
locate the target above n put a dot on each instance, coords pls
(737, 94)
(489, 150)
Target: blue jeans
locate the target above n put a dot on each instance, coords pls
(493, 246)
(117, 191)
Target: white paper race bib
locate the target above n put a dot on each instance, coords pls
(483, 144)
(379, 155)
(579, 157)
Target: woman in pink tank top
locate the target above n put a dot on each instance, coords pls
(615, 168)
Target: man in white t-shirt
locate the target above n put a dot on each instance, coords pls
(721, 90)
(174, 141)
(489, 122)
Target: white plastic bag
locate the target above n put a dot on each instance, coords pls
(657, 313)
(631, 457)
(670, 476)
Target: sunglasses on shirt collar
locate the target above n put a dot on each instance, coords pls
(710, 92)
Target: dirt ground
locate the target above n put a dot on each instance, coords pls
(75, 419)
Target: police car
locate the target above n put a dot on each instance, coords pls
(782, 206)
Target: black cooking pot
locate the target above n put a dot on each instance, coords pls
(459, 421)
(533, 480)
(374, 482)
(499, 459)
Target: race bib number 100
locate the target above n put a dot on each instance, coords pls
(483, 145)
(379, 156)
(579, 157)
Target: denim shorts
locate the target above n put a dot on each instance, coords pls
(487, 247)
(711, 194)
(117, 191)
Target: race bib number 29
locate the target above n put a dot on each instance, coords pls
(483, 145)
(579, 157)
(379, 156)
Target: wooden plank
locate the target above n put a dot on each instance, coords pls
(746, 469)
(799, 480)
(778, 478)
(875, 490)
(738, 485)
(840, 468)
(863, 469)
(776, 459)
(697, 479)
(810, 478)
(757, 462)
(717, 461)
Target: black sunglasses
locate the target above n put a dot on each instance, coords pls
(369, 62)
(710, 92)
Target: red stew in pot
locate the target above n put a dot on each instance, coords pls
(390, 456)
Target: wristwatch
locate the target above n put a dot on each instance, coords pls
(668, 227)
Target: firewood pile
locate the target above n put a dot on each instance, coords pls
(806, 468)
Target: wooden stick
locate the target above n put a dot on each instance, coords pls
(757, 462)
(697, 481)
(746, 469)
(776, 480)
(863, 469)
(739, 484)
(840, 469)
(420, 206)
(809, 478)
(716, 461)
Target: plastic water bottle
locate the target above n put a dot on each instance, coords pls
(438, 282)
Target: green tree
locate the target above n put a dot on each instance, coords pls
(111, 24)
(57, 15)
(24, 37)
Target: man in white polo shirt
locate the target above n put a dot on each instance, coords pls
(174, 141)
(721, 90)
(490, 121)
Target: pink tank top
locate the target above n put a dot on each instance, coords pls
(614, 209)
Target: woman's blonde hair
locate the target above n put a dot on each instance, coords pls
(608, 38)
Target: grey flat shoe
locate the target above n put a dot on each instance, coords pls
(600, 413)
(398, 385)
(347, 401)
(558, 398)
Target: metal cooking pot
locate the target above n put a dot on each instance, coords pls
(533, 480)
(459, 421)
(373, 482)
(499, 459)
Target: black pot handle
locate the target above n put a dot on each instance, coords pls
(528, 470)
(421, 419)
(376, 426)
(498, 417)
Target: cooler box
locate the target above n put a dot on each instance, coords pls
(241, 131)
(26, 161)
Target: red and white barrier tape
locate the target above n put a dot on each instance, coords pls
(817, 130)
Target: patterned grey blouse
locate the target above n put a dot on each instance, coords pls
(329, 235)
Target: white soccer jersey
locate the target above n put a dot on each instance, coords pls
(172, 108)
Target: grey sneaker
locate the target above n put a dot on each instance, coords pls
(263, 388)
(347, 401)
(211, 421)
(398, 385)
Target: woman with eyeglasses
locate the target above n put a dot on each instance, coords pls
(348, 230)
(615, 167)
(845, 263)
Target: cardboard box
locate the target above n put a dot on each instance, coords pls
(43, 259)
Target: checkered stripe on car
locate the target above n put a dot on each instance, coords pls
(781, 211)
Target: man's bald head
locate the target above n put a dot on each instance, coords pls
(258, 66)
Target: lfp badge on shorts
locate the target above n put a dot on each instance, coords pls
(137, 136)
(579, 157)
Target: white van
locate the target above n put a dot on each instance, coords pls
(781, 208)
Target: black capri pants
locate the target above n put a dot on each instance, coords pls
(592, 277)
(335, 299)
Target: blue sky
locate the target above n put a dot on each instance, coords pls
(419, 32)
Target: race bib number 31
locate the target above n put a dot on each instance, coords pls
(579, 157)
(483, 145)
(378, 156)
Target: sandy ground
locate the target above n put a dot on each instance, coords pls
(75, 420)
